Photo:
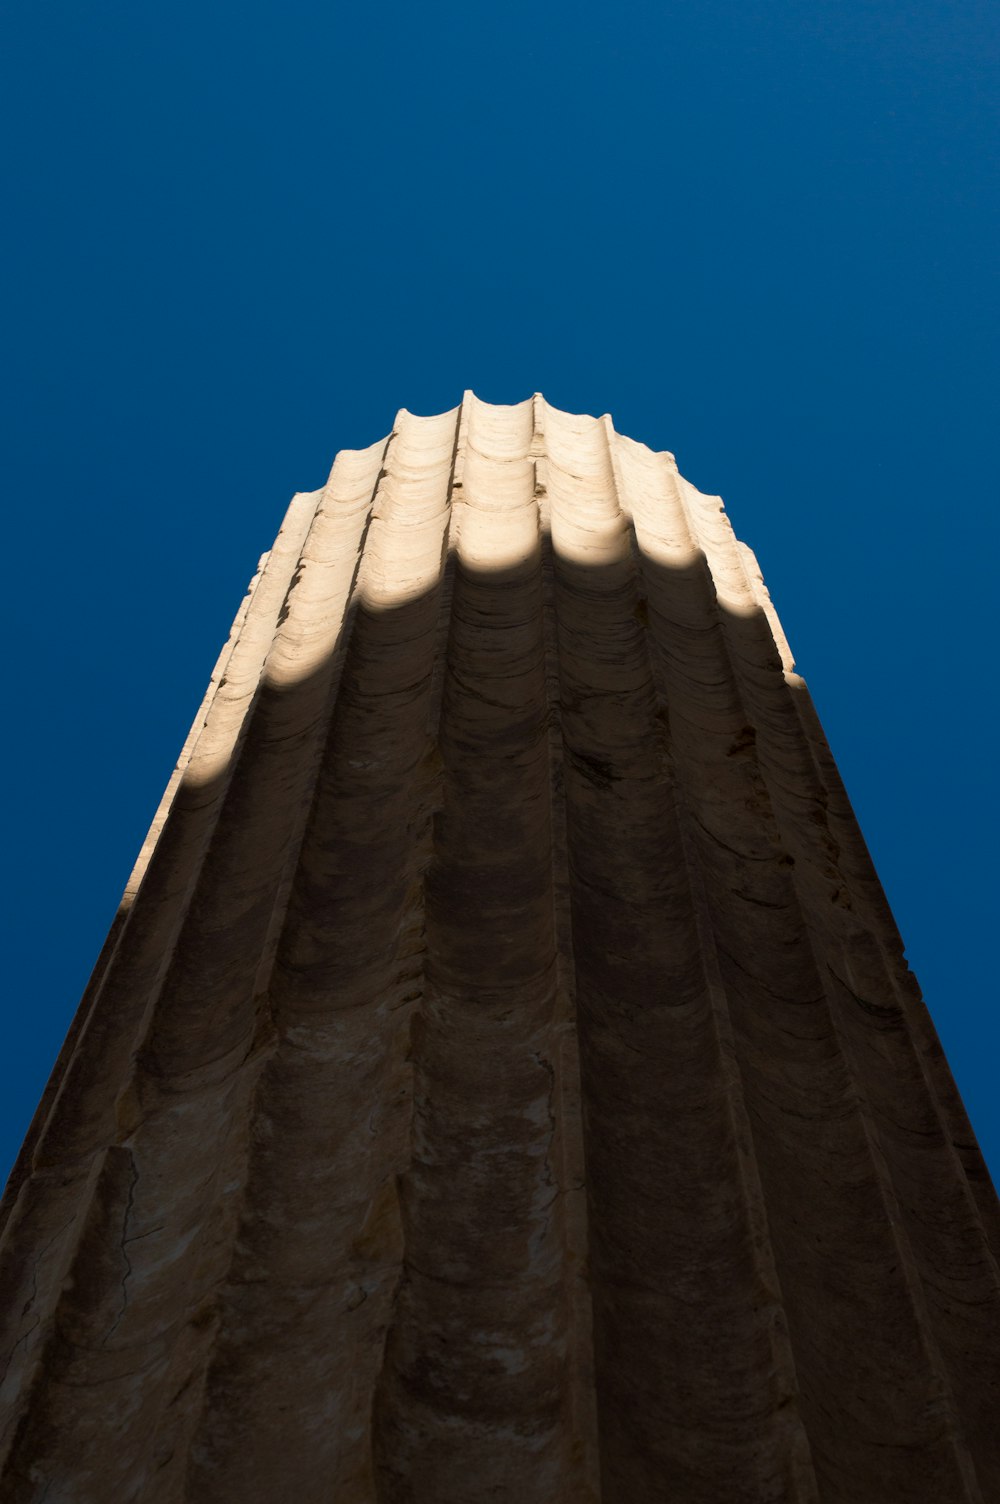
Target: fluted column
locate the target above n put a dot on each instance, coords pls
(502, 1078)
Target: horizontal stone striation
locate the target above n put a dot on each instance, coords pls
(503, 1079)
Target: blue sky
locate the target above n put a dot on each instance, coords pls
(241, 236)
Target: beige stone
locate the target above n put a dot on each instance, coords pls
(502, 1080)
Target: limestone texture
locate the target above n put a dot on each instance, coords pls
(502, 1081)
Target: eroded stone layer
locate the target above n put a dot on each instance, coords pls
(503, 1080)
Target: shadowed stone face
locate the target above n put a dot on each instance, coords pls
(502, 1080)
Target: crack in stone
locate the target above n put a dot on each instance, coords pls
(122, 1247)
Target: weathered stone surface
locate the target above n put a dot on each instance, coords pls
(503, 1080)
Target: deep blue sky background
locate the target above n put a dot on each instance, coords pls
(240, 236)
